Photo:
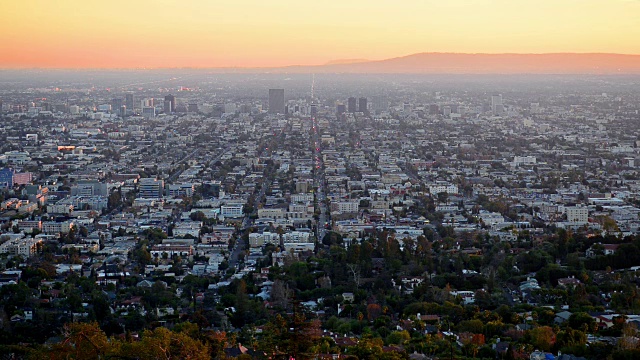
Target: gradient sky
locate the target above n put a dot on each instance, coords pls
(248, 33)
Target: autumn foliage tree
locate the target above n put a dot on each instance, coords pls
(88, 341)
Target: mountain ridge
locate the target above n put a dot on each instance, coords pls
(432, 63)
(484, 63)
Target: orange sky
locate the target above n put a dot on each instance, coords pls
(246, 33)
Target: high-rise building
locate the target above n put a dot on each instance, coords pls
(276, 101)
(362, 105)
(496, 104)
(169, 104)
(147, 103)
(129, 101)
(193, 107)
(148, 111)
(314, 109)
(151, 188)
(116, 104)
(352, 105)
(6, 178)
(341, 109)
(380, 103)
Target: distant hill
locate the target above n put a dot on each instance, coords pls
(456, 63)
(346, 61)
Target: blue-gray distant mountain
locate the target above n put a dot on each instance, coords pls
(456, 63)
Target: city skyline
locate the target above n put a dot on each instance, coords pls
(170, 34)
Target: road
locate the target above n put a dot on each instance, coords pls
(175, 175)
(318, 182)
(247, 222)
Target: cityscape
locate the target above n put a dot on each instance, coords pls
(437, 205)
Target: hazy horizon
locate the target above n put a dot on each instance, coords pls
(256, 34)
(330, 63)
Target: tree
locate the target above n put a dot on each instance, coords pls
(197, 216)
(398, 337)
(280, 294)
(369, 348)
(163, 343)
(571, 338)
(355, 273)
(582, 321)
(542, 338)
(291, 335)
(83, 231)
(81, 341)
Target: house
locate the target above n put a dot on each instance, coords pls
(529, 285)
(568, 282)
(348, 297)
(468, 297)
(524, 327)
(601, 249)
(562, 317)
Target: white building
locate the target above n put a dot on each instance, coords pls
(271, 213)
(345, 206)
(443, 187)
(577, 214)
(52, 227)
(22, 247)
(231, 211)
(524, 160)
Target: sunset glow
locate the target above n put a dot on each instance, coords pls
(257, 33)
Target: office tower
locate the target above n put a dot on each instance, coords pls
(151, 188)
(148, 111)
(116, 104)
(123, 110)
(276, 101)
(341, 109)
(362, 105)
(379, 103)
(169, 104)
(314, 109)
(129, 101)
(446, 110)
(147, 103)
(496, 104)
(351, 105)
(6, 178)
(193, 107)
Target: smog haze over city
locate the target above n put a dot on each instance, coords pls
(418, 179)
